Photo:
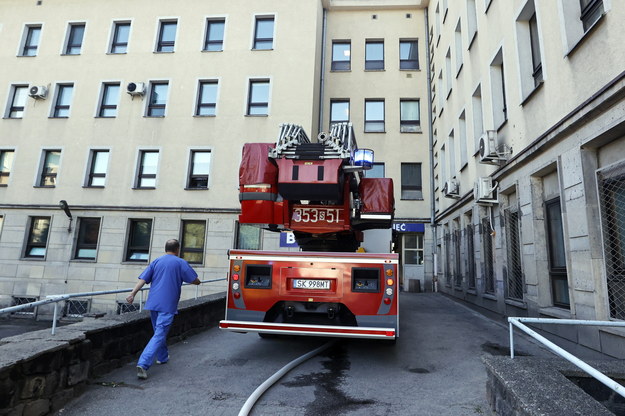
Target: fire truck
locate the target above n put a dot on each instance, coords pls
(318, 191)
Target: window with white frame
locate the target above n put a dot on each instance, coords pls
(17, 101)
(121, 36)
(30, 42)
(374, 116)
(109, 100)
(258, 97)
(166, 35)
(98, 165)
(409, 115)
(138, 240)
(478, 120)
(63, 101)
(471, 21)
(87, 241)
(6, 164)
(448, 73)
(147, 169)
(157, 102)
(458, 45)
(75, 35)
(498, 90)
(37, 239)
(591, 11)
(451, 151)
(263, 33)
(531, 70)
(206, 98)
(49, 168)
(578, 17)
(462, 139)
(199, 169)
(214, 40)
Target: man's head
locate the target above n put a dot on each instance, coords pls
(172, 246)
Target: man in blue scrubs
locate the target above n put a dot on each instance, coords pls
(165, 275)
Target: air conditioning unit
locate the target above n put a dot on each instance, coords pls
(451, 189)
(38, 91)
(135, 88)
(485, 191)
(488, 147)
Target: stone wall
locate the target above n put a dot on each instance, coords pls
(40, 372)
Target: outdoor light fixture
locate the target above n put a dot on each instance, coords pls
(65, 208)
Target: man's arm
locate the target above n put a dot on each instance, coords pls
(138, 287)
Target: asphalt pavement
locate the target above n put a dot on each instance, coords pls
(435, 368)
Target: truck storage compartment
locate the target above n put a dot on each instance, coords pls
(377, 203)
(258, 180)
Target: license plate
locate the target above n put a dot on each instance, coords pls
(311, 284)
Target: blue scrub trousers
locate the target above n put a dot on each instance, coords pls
(157, 347)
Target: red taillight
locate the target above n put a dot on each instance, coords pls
(235, 277)
(236, 295)
(387, 301)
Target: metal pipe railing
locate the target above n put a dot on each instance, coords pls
(60, 298)
(598, 375)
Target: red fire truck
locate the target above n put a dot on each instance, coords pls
(316, 190)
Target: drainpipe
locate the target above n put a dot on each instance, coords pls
(431, 143)
(323, 68)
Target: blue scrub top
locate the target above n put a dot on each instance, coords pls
(165, 276)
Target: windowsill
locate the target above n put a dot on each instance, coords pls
(459, 70)
(269, 49)
(531, 94)
(418, 131)
(205, 116)
(471, 40)
(340, 70)
(410, 69)
(257, 115)
(206, 50)
(135, 262)
(33, 258)
(117, 53)
(26, 56)
(375, 70)
(105, 117)
(516, 303)
(147, 188)
(585, 35)
(489, 296)
(555, 312)
(3, 185)
(83, 261)
(153, 116)
(58, 118)
(502, 125)
(12, 118)
(471, 292)
(411, 199)
(373, 132)
(196, 189)
(44, 186)
(449, 93)
(463, 167)
(164, 52)
(93, 187)
(70, 54)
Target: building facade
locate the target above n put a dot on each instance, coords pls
(122, 126)
(528, 124)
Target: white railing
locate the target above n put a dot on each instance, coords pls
(60, 298)
(598, 375)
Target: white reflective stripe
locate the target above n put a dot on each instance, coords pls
(314, 259)
(375, 217)
(313, 330)
(258, 185)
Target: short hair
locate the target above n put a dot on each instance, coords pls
(172, 245)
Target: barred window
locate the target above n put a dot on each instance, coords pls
(457, 255)
(470, 257)
(514, 278)
(487, 242)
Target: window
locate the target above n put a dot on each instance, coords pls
(138, 246)
(148, 166)
(50, 168)
(214, 40)
(557, 255)
(199, 169)
(63, 100)
(487, 247)
(374, 54)
(462, 140)
(192, 241)
(18, 101)
(478, 122)
(376, 171)
(121, 34)
(537, 65)
(498, 91)
(451, 150)
(87, 242)
(158, 99)
(37, 237)
(6, 163)
(374, 116)
(31, 40)
(471, 21)
(247, 237)
(448, 77)
(258, 98)
(410, 116)
(110, 98)
(514, 277)
(166, 36)
(591, 12)
(341, 56)
(74, 39)
(413, 248)
(408, 55)
(470, 259)
(97, 168)
(206, 99)
(458, 44)
(339, 111)
(411, 181)
(263, 33)
(531, 70)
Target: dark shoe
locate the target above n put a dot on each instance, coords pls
(142, 373)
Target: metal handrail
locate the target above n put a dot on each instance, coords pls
(598, 375)
(59, 298)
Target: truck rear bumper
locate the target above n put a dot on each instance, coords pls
(310, 330)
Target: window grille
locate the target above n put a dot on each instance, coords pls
(514, 278)
(123, 307)
(611, 184)
(470, 257)
(487, 240)
(22, 300)
(447, 240)
(457, 271)
(75, 308)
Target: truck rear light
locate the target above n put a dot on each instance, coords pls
(236, 295)
(389, 291)
(235, 286)
(389, 272)
(235, 277)
(236, 268)
(390, 282)
(387, 301)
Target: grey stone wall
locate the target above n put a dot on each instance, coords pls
(40, 372)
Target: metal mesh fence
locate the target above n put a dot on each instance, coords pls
(514, 278)
(457, 257)
(470, 257)
(123, 307)
(22, 300)
(487, 241)
(611, 184)
(76, 308)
